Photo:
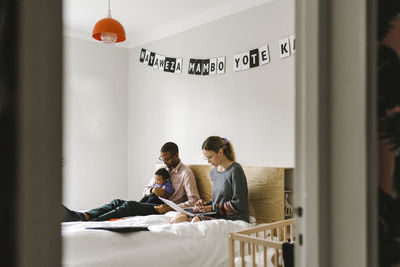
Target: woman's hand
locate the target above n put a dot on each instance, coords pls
(199, 203)
(208, 208)
(203, 208)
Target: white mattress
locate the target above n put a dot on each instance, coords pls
(259, 259)
(185, 244)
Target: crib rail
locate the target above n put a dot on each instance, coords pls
(259, 242)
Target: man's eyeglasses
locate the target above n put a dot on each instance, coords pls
(166, 160)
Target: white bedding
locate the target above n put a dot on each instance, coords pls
(202, 244)
(259, 259)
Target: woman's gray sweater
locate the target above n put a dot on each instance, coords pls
(230, 193)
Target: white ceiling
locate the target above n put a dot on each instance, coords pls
(148, 20)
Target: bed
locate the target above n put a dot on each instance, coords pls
(185, 244)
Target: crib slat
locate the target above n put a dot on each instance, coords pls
(279, 230)
(285, 233)
(254, 255)
(265, 257)
(231, 251)
(257, 237)
(291, 233)
(276, 258)
(242, 253)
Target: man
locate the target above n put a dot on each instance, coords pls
(181, 177)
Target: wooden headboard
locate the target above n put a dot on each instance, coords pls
(265, 185)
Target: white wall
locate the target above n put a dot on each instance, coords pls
(253, 108)
(95, 123)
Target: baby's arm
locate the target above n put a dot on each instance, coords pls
(166, 191)
(169, 188)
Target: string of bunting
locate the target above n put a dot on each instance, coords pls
(162, 63)
(215, 66)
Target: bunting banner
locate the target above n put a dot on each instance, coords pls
(210, 66)
(159, 62)
(215, 66)
(251, 59)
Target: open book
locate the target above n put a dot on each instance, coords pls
(188, 211)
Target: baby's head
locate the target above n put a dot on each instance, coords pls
(161, 176)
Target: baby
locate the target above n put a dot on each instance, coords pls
(161, 178)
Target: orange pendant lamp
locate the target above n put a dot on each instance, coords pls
(108, 30)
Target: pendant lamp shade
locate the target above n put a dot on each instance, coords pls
(108, 25)
(108, 30)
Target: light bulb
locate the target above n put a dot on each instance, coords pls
(108, 37)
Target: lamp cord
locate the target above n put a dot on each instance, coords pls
(109, 9)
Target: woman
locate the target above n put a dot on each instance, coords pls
(229, 198)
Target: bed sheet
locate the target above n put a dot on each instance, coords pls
(185, 244)
(259, 259)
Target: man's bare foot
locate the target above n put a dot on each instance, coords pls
(196, 219)
(87, 216)
(163, 208)
(181, 217)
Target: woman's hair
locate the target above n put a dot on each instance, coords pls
(164, 173)
(215, 143)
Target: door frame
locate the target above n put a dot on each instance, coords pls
(335, 185)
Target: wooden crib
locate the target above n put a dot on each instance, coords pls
(261, 245)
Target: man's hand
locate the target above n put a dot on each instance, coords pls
(158, 191)
(163, 208)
